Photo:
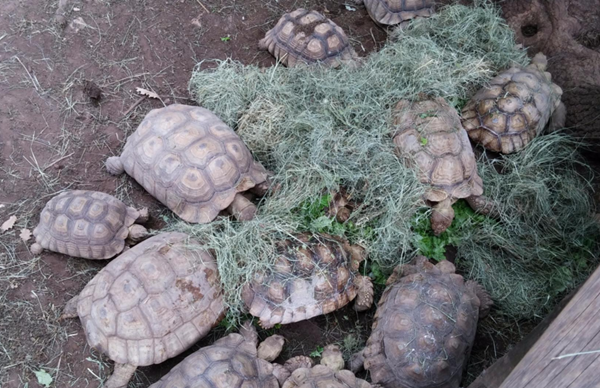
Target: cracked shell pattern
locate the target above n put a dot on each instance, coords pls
(430, 137)
(392, 12)
(191, 161)
(322, 376)
(230, 362)
(423, 329)
(311, 276)
(305, 37)
(152, 302)
(87, 224)
(505, 116)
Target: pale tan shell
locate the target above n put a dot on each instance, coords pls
(152, 302)
(429, 136)
(312, 276)
(423, 329)
(190, 160)
(505, 116)
(322, 376)
(87, 224)
(397, 11)
(305, 37)
(229, 362)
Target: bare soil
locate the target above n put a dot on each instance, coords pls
(68, 77)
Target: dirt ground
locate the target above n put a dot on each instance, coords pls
(55, 133)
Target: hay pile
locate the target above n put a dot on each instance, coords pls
(319, 129)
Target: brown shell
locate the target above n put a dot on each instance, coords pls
(87, 224)
(397, 11)
(191, 161)
(505, 116)
(423, 329)
(229, 362)
(322, 376)
(312, 276)
(153, 301)
(429, 136)
(308, 37)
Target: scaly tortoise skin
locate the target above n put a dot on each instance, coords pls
(329, 373)
(392, 12)
(312, 275)
(232, 361)
(150, 303)
(307, 37)
(424, 327)
(505, 116)
(429, 136)
(192, 162)
(87, 224)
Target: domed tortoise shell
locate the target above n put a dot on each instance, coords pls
(306, 37)
(392, 12)
(312, 275)
(152, 302)
(87, 224)
(231, 361)
(506, 115)
(430, 136)
(323, 376)
(424, 327)
(189, 160)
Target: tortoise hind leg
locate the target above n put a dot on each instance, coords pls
(70, 310)
(241, 208)
(121, 376)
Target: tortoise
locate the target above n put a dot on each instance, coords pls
(150, 303)
(505, 116)
(307, 37)
(329, 373)
(87, 224)
(312, 275)
(391, 12)
(424, 327)
(231, 361)
(428, 135)
(192, 162)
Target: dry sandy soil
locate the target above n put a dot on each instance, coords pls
(55, 134)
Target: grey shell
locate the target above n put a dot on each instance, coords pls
(392, 12)
(87, 224)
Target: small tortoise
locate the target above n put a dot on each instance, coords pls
(149, 304)
(424, 327)
(192, 162)
(313, 275)
(392, 12)
(505, 116)
(429, 135)
(87, 224)
(232, 361)
(329, 374)
(307, 37)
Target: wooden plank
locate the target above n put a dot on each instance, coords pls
(575, 330)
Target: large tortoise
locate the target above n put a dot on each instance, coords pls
(150, 303)
(312, 275)
(87, 224)
(192, 162)
(308, 37)
(391, 12)
(232, 361)
(505, 116)
(329, 373)
(424, 327)
(429, 135)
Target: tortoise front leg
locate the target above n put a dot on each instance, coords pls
(121, 376)
(70, 310)
(364, 297)
(241, 208)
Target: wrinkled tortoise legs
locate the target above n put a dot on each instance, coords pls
(241, 208)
